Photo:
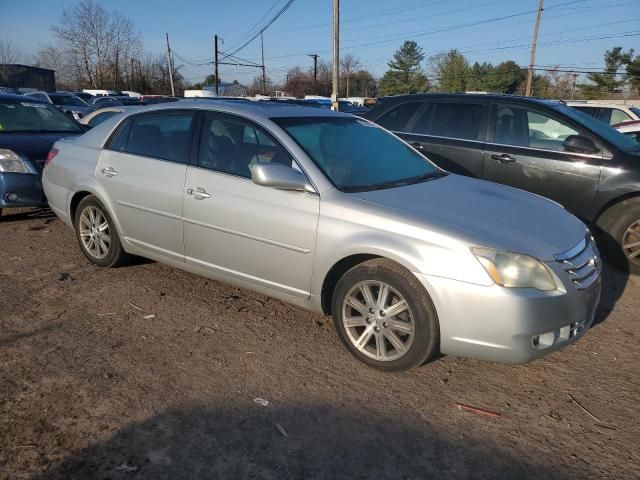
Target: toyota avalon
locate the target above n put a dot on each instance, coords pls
(335, 214)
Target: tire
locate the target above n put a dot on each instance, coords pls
(92, 220)
(620, 226)
(379, 330)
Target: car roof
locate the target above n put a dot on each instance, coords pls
(258, 108)
(596, 104)
(479, 96)
(11, 96)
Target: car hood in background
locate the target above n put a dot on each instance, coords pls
(484, 214)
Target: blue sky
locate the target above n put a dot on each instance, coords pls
(371, 30)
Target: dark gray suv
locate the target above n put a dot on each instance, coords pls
(545, 147)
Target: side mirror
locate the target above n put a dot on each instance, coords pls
(276, 175)
(579, 144)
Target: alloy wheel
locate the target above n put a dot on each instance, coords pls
(94, 232)
(378, 320)
(631, 242)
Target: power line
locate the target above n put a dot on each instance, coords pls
(255, 25)
(269, 23)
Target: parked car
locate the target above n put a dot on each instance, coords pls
(65, 101)
(105, 101)
(630, 129)
(343, 105)
(99, 116)
(332, 213)
(609, 113)
(154, 99)
(87, 97)
(541, 146)
(28, 129)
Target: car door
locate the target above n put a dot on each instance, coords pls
(142, 171)
(451, 133)
(526, 151)
(239, 230)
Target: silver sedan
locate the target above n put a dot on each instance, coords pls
(335, 214)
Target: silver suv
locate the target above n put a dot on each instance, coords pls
(335, 214)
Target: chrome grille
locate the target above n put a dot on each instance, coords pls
(582, 263)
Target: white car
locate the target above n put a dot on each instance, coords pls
(609, 113)
(99, 116)
(630, 129)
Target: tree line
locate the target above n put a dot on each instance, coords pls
(95, 48)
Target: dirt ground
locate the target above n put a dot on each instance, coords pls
(92, 387)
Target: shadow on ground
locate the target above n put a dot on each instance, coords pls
(320, 443)
(23, 214)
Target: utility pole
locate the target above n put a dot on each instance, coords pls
(132, 77)
(534, 41)
(264, 74)
(315, 70)
(347, 81)
(336, 53)
(573, 84)
(170, 63)
(215, 46)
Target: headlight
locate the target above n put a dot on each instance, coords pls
(11, 162)
(515, 270)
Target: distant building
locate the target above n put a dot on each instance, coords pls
(14, 75)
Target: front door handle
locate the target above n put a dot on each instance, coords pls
(198, 193)
(109, 172)
(418, 146)
(504, 158)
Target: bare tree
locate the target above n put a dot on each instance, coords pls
(348, 65)
(8, 53)
(96, 43)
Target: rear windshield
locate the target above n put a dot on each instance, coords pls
(26, 116)
(603, 130)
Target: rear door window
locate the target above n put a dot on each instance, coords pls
(453, 120)
(164, 136)
(398, 117)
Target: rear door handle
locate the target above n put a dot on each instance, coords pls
(504, 158)
(109, 172)
(198, 193)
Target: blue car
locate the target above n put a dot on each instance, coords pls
(28, 130)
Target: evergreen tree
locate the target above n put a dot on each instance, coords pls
(453, 72)
(405, 75)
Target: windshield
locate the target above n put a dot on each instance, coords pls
(67, 101)
(602, 129)
(357, 155)
(25, 116)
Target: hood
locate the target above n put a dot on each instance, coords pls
(34, 146)
(484, 214)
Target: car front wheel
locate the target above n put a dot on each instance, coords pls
(621, 228)
(97, 235)
(384, 316)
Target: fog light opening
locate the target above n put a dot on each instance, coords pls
(11, 197)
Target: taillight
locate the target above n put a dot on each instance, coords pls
(51, 155)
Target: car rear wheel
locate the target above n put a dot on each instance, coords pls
(384, 316)
(97, 236)
(621, 226)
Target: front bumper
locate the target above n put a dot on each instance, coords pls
(500, 324)
(27, 188)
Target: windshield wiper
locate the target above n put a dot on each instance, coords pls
(395, 183)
